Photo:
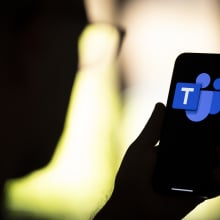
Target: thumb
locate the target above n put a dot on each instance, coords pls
(151, 132)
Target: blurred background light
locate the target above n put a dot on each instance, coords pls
(104, 119)
(79, 179)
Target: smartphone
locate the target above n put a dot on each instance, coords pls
(191, 129)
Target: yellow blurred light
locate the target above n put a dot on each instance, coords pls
(207, 210)
(80, 176)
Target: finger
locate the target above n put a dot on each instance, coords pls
(151, 132)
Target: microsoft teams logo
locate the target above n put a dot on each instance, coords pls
(198, 103)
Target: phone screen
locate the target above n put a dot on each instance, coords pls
(191, 131)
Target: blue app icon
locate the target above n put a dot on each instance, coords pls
(186, 96)
(196, 102)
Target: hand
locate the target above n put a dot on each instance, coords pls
(133, 196)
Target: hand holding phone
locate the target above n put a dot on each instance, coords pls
(190, 135)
